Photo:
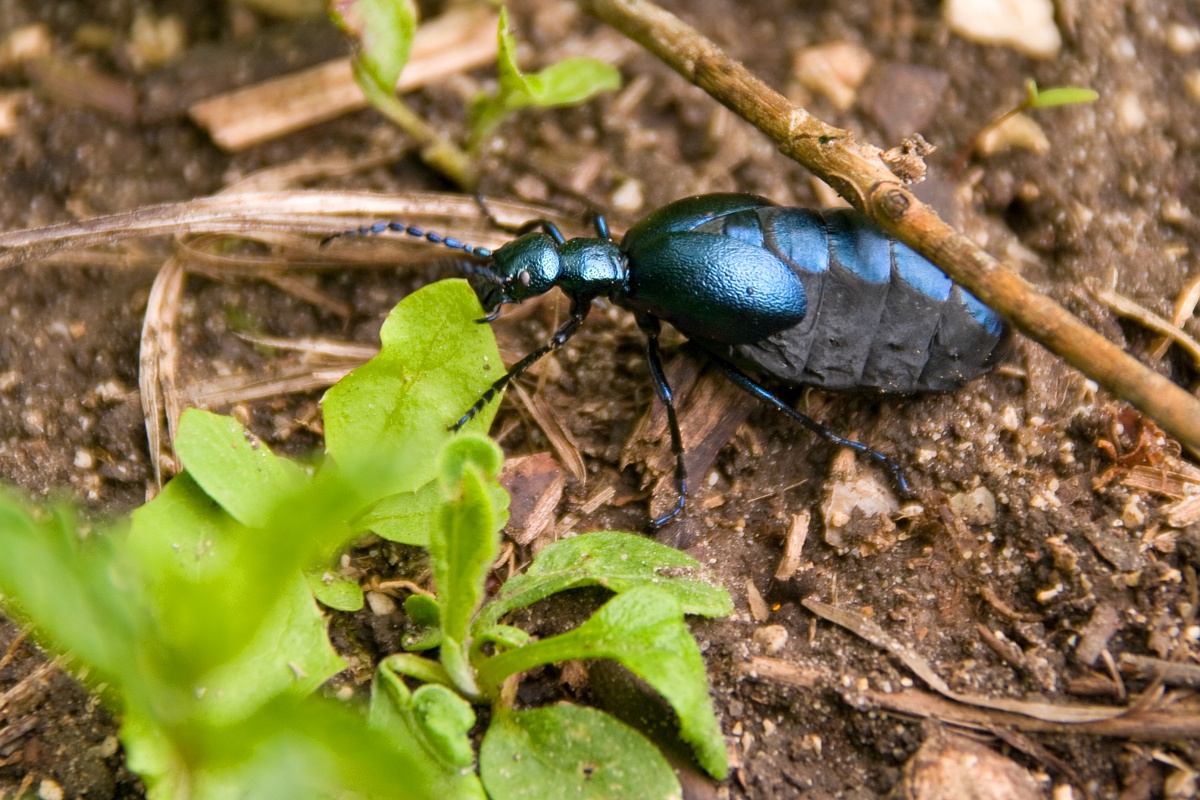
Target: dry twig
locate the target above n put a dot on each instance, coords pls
(860, 175)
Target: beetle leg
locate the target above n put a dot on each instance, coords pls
(579, 312)
(650, 326)
(599, 223)
(747, 384)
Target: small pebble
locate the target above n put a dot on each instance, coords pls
(771, 639)
(975, 508)
(835, 70)
(381, 604)
(1026, 26)
(1019, 131)
(1181, 39)
(1130, 113)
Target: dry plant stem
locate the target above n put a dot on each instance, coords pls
(156, 368)
(316, 213)
(858, 173)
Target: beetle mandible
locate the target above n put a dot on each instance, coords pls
(818, 298)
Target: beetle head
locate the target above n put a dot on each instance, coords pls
(527, 267)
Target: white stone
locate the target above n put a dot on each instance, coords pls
(1024, 25)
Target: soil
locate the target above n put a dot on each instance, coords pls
(995, 600)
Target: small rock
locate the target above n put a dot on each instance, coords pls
(1133, 515)
(902, 98)
(771, 639)
(10, 111)
(49, 789)
(835, 70)
(629, 197)
(1024, 25)
(857, 508)
(25, 44)
(1181, 39)
(949, 767)
(1017, 132)
(1130, 114)
(975, 508)
(381, 604)
(155, 41)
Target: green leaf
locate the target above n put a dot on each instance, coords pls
(81, 595)
(335, 591)
(406, 517)
(233, 613)
(643, 630)
(423, 609)
(567, 83)
(573, 81)
(290, 654)
(1063, 96)
(234, 468)
(310, 750)
(571, 751)
(385, 30)
(616, 561)
(435, 362)
(434, 721)
(462, 550)
(426, 613)
(478, 452)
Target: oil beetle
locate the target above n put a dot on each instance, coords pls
(817, 298)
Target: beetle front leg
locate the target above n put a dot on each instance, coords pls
(651, 327)
(748, 385)
(579, 312)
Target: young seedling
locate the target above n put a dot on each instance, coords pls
(195, 621)
(1034, 98)
(384, 30)
(563, 750)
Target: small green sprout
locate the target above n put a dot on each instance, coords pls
(566, 83)
(195, 617)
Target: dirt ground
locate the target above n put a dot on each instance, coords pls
(1036, 566)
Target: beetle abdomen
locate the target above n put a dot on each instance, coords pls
(879, 314)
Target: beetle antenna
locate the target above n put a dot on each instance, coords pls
(414, 231)
(474, 270)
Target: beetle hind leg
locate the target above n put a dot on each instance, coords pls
(748, 385)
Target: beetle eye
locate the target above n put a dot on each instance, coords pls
(524, 277)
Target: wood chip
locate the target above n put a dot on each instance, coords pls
(535, 485)
(1169, 672)
(1103, 625)
(759, 609)
(789, 562)
(550, 421)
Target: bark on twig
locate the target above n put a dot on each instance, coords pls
(859, 174)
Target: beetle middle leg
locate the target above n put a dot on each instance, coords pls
(747, 384)
(651, 327)
(579, 311)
